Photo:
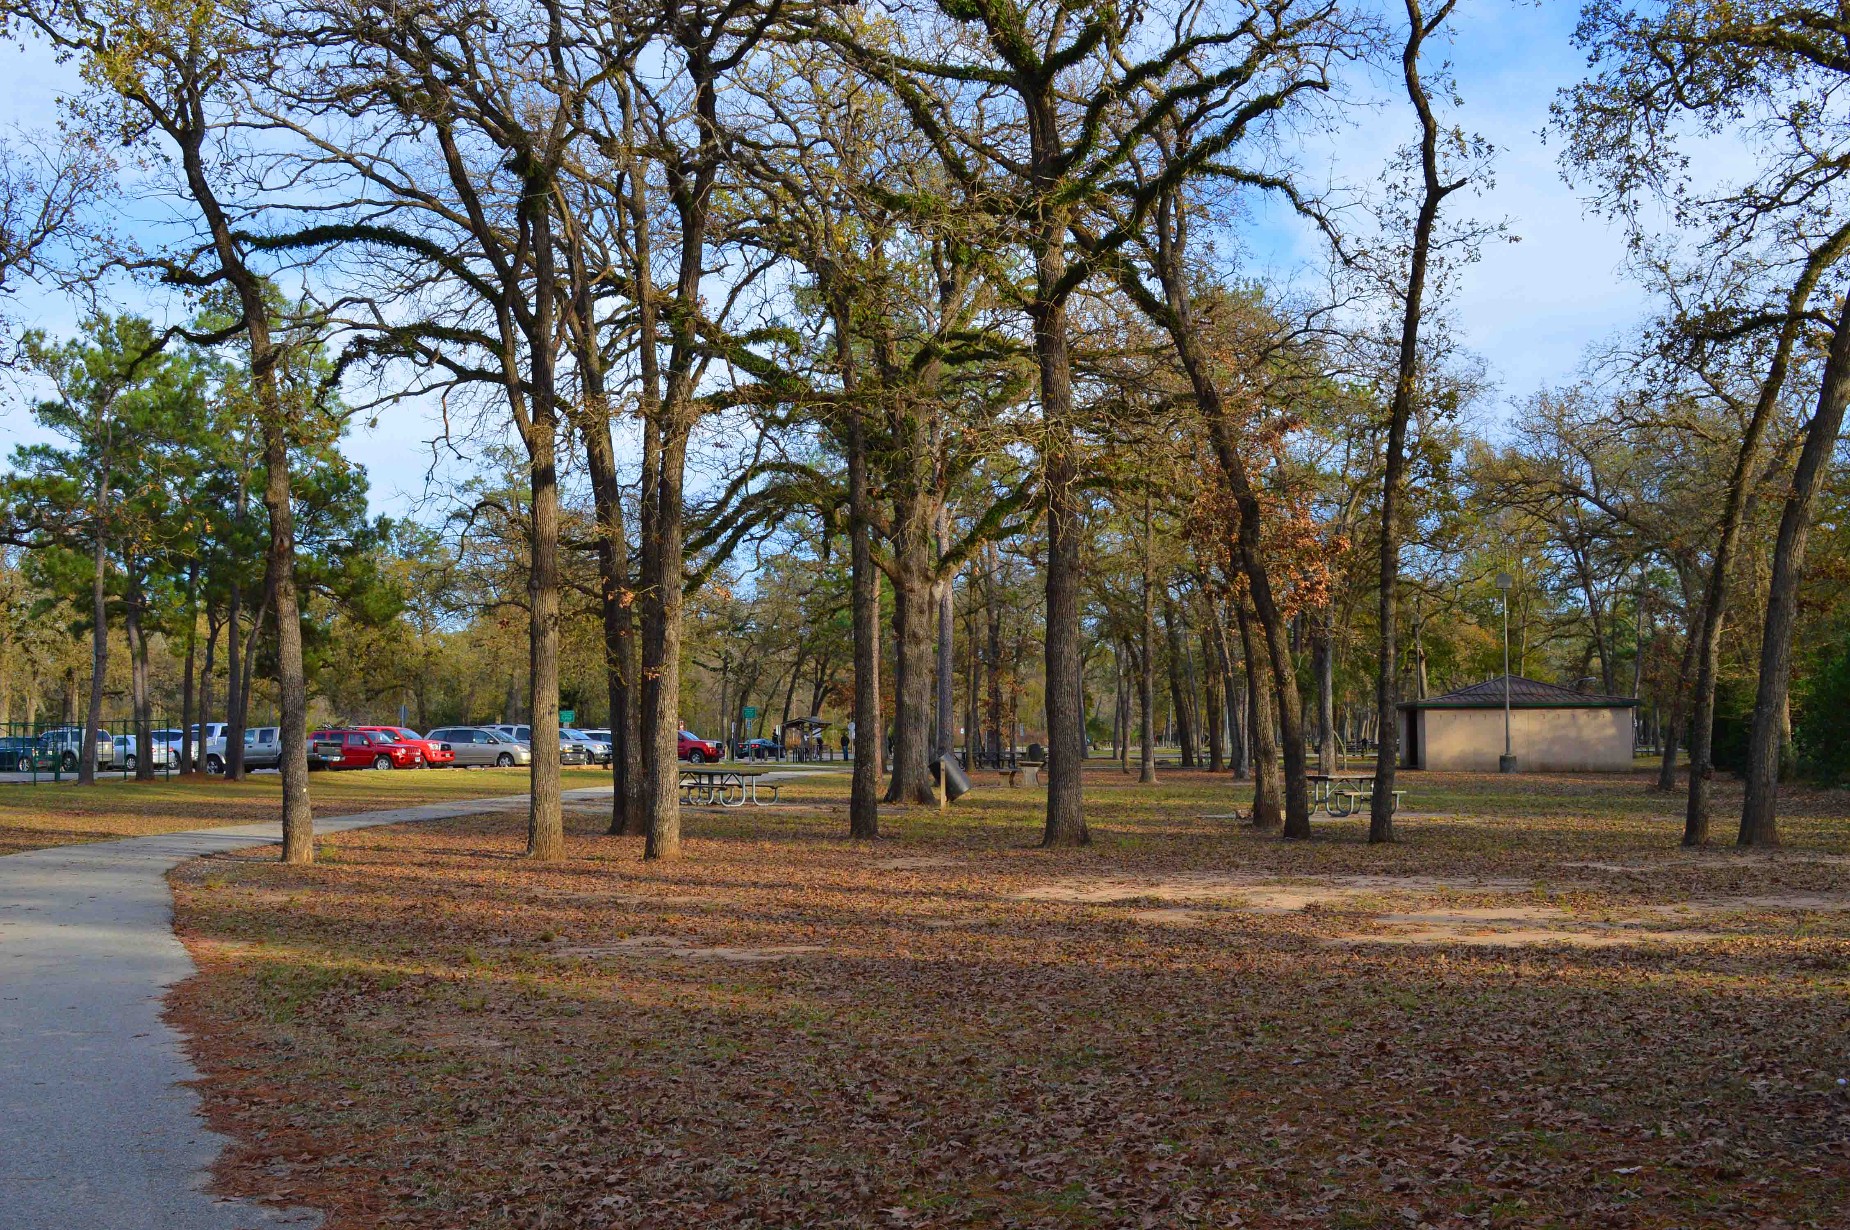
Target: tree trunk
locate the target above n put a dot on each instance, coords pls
(617, 599)
(1216, 685)
(1715, 597)
(1146, 662)
(995, 665)
(864, 581)
(1432, 195)
(1066, 822)
(186, 672)
(1237, 759)
(1121, 721)
(205, 682)
(138, 676)
(250, 658)
(280, 586)
(790, 693)
(973, 679)
(1420, 683)
(233, 757)
(99, 644)
(914, 666)
(1759, 821)
(947, 719)
(1323, 663)
(661, 646)
(1672, 733)
(1178, 692)
(1263, 717)
(545, 812)
(1596, 613)
(1245, 546)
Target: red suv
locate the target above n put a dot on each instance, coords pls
(360, 749)
(436, 753)
(695, 750)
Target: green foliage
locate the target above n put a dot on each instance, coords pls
(1734, 721)
(1821, 717)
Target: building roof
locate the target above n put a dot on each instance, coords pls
(1524, 694)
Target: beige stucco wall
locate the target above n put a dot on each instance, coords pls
(1545, 740)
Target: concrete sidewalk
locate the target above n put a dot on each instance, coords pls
(96, 1130)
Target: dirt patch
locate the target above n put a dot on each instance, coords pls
(1497, 925)
(1514, 926)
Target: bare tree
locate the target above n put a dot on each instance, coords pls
(1445, 158)
(173, 85)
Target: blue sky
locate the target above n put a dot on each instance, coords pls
(1530, 310)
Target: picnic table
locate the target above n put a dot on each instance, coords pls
(725, 788)
(1324, 785)
(1342, 794)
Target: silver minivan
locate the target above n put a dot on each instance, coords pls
(474, 745)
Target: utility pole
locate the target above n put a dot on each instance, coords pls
(1507, 762)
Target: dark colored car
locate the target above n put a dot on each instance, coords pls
(695, 750)
(758, 749)
(22, 754)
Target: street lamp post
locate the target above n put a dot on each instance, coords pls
(1506, 763)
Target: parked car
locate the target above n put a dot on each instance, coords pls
(569, 752)
(359, 749)
(172, 736)
(596, 750)
(24, 754)
(695, 750)
(263, 747)
(67, 742)
(437, 754)
(212, 743)
(758, 749)
(479, 746)
(128, 753)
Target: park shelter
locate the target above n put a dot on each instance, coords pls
(1552, 729)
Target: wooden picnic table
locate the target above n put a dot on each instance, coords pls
(725, 788)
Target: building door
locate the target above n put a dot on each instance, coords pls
(1410, 740)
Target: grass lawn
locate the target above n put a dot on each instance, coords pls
(63, 813)
(1534, 1010)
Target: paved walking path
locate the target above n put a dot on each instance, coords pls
(96, 1130)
